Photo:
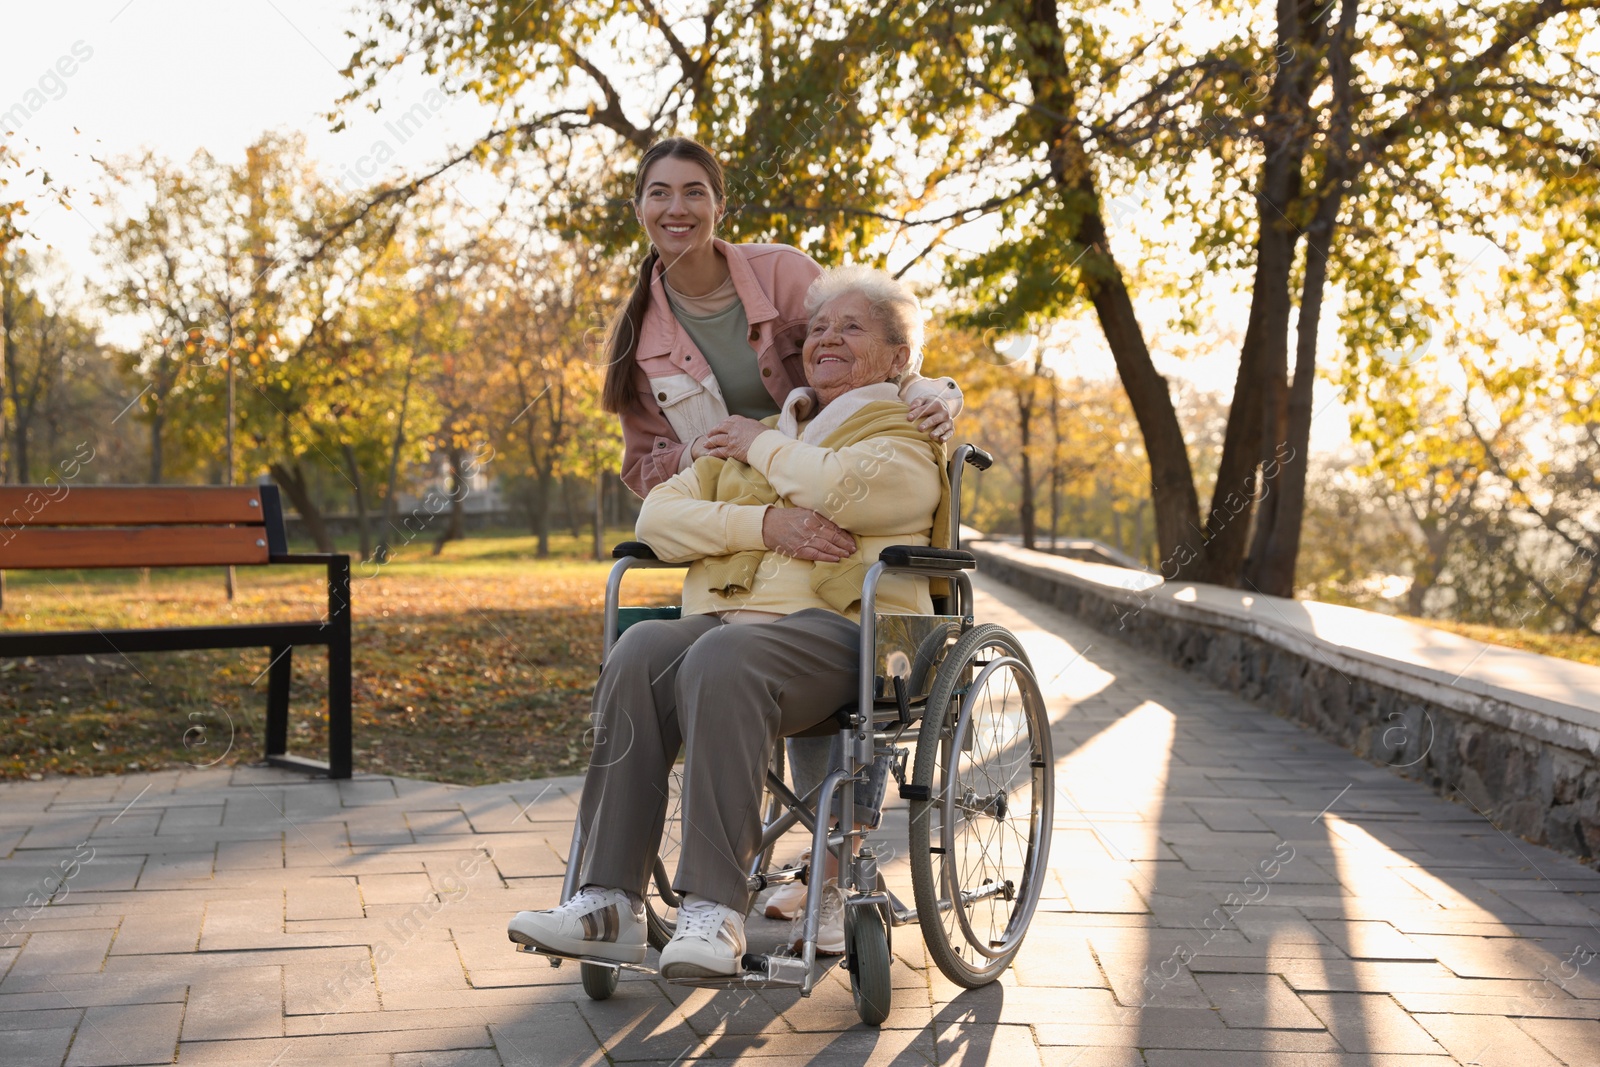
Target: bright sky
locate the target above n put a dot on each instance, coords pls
(105, 78)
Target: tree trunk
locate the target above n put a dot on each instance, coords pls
(1277, 548)
(391, 503)
(1025, 423)
(19, 452)
(1262, 366)
(569, 494)
(455, 530)
(1421, 582)
(599, 511)
(542, 519)
(359, 496)
(157, 425)
(530, 502)
(1055, 463)
(1116, 520)
(1258, 416)
(293, 482)
(8, 311)
(1271, 565)
(1177, 505)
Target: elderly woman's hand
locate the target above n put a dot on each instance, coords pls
(732, 437)
(804, 534)
(931, 417)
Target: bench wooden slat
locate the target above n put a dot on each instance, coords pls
(128, 505)
(50, 549)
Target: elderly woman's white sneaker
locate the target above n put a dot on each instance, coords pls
(708, 942)
(607, 923)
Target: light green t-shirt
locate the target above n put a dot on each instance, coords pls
(723, 339)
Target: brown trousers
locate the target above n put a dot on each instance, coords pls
(726, 692)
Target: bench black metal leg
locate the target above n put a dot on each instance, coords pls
(340, 756)
(279, 675)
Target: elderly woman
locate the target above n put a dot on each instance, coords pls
(779, 523)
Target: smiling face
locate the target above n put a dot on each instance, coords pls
(678, 207)
(846, 348)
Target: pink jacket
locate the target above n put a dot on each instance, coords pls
(680, 396)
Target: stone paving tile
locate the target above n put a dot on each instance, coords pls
(1572, 1042)
(467, 1057)
(346, 1050)
(1486, 1041)
(36, 1044)
(240, 1002)
(1370, 1022)
(986, 1043)
(1166, 1029)
(1372, 941)
(147, 985)
(62, 952)
(1172, 1058)
(1258, 1001)
(126, 1034)
(1084, 1056)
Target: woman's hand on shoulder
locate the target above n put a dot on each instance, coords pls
(931, 417)
(732, 437)
(804, 534)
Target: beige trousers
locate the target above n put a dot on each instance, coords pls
(726, 693)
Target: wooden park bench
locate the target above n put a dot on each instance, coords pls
(70, 527)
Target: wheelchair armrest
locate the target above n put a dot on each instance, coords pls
(925, 558)
(633, 550)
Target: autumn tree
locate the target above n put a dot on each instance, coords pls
(543, 310)
(57, 377)
(1483, 420)
(232, 268)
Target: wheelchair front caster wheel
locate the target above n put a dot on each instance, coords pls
(599, 982)
(867, 943)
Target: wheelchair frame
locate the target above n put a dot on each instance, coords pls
(873, 721)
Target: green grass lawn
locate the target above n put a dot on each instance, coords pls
(474, 666)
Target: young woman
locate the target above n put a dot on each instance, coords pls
(714, 330)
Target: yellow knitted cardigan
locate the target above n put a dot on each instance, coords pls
(732, 482)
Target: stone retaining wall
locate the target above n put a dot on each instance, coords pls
(1528, 763)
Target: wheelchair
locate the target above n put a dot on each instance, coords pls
(978, 779)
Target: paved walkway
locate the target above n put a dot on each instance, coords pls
(1228, 891)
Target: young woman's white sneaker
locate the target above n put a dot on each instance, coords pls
(607, 923)
(787, 901)
(830, 924)
(708, 943)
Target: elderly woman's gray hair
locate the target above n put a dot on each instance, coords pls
(894, 305)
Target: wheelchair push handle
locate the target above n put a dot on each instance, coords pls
(974, 455)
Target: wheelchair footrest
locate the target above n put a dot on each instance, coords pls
(760, 971)
(557, 958)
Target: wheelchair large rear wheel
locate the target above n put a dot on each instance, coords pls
(980, 843)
